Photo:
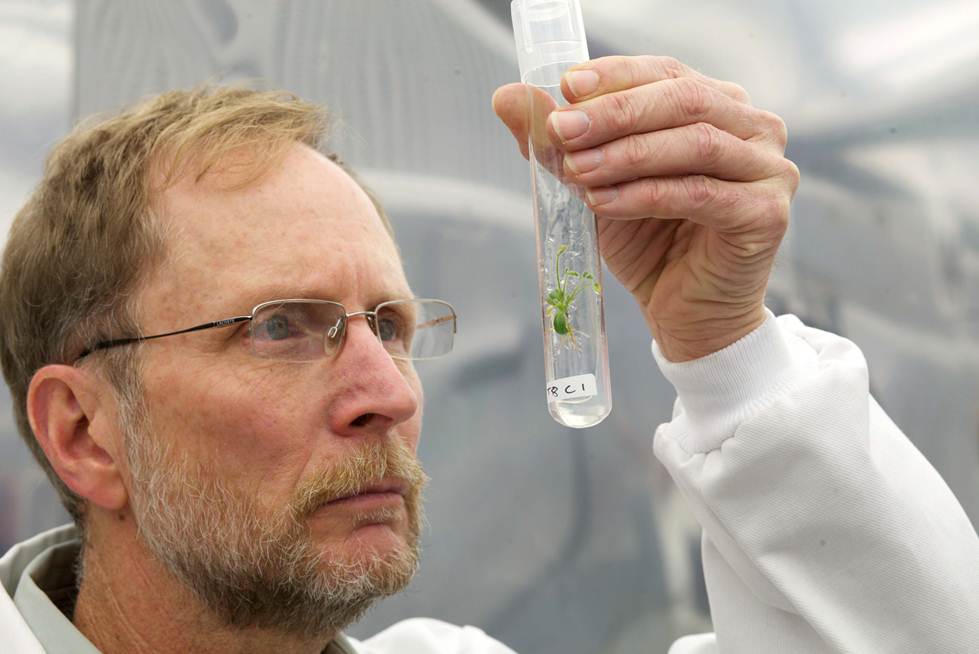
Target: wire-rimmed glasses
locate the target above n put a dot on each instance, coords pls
(305, 329)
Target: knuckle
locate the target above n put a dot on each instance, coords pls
(621, 114)
(634, 152)
(701, 190)
(775, 127)
(708, 142)
(793, 175)
(671, 67)
(739, 93)
(773, 216)
(692, 98)
(650, 192)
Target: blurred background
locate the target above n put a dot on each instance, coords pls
(551, 539)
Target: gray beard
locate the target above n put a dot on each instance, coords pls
(281, 584)
(252, 570)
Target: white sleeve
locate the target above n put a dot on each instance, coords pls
(824, 529)
(428, 636)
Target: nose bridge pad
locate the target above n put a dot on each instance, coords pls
(333, 338)
(338, 333)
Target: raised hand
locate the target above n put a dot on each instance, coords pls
(690, 185)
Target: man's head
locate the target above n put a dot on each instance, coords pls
(190, 208)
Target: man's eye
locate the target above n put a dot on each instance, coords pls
(276, 328)
(388, 329)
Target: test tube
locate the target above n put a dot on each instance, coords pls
(550, 38)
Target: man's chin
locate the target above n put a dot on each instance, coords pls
(376, 559)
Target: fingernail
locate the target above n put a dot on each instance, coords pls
(582, 82)
(604, 195)
(570, 124)
(584, 161)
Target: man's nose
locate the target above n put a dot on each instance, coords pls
(375, 392)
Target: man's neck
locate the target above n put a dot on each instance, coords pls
(129, 603)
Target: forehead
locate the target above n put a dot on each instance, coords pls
(304, 229)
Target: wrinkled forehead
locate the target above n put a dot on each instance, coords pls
(303, 229)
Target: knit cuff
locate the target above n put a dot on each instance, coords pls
(716, 393)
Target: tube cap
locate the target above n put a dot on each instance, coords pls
(548, 32)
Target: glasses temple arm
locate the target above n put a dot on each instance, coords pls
(104, 345)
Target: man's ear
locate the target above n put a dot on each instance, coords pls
(73, 418)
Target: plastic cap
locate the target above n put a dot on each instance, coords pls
(548, 32)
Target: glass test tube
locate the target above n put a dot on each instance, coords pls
(550, 39)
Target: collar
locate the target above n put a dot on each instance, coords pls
(45, 597)
(45, 592)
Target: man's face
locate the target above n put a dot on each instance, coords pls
(235, 458)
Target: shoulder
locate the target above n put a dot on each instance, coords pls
(428, 636)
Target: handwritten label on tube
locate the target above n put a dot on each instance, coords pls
(577, 387)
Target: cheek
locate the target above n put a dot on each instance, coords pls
(249, 431)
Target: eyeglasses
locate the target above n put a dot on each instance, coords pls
(304, 330)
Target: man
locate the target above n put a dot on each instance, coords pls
(208, 335)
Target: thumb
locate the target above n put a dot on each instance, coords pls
(510, 105)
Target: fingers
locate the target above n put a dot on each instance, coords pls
(632, 95)
(651, 137)
(661, 105)
(760, 207)
(610, 74)
(691, 149)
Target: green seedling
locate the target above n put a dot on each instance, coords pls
(559, 300)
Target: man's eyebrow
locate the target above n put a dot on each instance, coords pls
(391, 295)
(268, 293)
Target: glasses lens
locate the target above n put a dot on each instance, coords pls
(416, 329)
(297, 330)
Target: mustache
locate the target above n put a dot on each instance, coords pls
(389, 460)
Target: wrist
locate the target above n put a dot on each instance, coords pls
(705, 337)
